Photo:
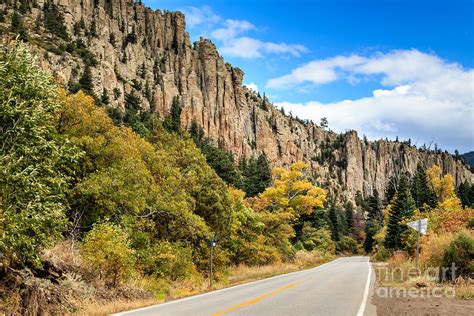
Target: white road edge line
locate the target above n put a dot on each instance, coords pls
(221, 290)
(366, 292)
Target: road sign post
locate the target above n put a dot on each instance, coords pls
(421, 226)
(418, 243)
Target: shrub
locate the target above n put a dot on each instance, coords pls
(317, 239)
(382, 253)
(33, 173)
(107, 252)
(460, 253)
(347, 245)
(171, 260)
(433, 248)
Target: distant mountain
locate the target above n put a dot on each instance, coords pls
(469, 158)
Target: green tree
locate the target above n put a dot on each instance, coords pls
(335, 225)
(34, 159)
(391, 189)
(197, 133)
(105, 97)
(18, 27)
(106, 250)
(87, 85)
(223, 163)
(402, 208)
(466, 194)
(256, 175)
(374, 221)
(421, 191)
(54, 20)
(173, 121)
(349, 217)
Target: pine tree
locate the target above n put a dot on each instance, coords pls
(465, 193)
(374, 221)
(421, 191)
(256, 175)
(391, 189)
(374, 208)
(18, 27)
(223, 163)
(264, 173)
(196, 133)
(105, 97)
(350, 225)
(335, 227)
(54, 20)
(173, 122)
(86, 81)
(402, 207)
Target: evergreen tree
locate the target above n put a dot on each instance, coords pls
(256, 175)
(173, 122)
(223, 163)
(391, 189)
(196, 133)
(374, 221)
(18, 28)
(54, 20)
(374, 208)
(466, 194)
(334, 222)
(371, 228)
(421, 191)
(105, 97)
(402, 207)
(349, 216)
(86, 81)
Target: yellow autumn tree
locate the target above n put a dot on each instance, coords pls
(444, 188)
(291, 196)
(292, 192)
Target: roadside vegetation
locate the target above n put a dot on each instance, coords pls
(101, 209)
(449, 239)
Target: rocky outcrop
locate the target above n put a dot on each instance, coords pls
(150, 54)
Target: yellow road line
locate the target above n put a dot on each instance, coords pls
(255, 300)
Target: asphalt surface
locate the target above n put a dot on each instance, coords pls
(340, 287)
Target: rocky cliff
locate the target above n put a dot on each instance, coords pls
(133, 49)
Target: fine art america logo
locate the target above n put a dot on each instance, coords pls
(428, 283)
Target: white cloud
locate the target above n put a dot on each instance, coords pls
(197, 16)
(252, 86)
(317, 72)
(231, 35)
(421, 97)
(250, 48)
(231, 29)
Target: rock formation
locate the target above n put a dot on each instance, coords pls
(150, 54)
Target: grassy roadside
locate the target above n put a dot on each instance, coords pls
(401, 274)
(400, 290)
(235, 275)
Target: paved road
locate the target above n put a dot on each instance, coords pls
(340, 287)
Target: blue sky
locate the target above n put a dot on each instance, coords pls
(384, 68)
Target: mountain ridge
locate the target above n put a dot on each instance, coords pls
(134, 50)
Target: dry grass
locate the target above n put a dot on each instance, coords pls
(115, 306)
(399, 273)
(242, 273)
(235, 275)
(465, 289)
